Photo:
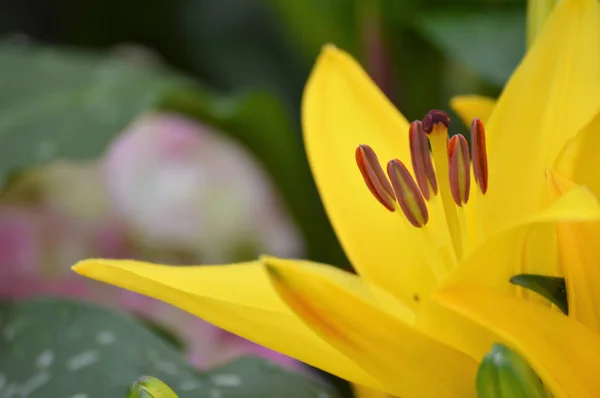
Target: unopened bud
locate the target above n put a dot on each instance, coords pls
(504, 374)
(150, 387)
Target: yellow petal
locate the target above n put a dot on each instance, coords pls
(348, 313)
(579, 160)
(494, 262)
(238, 298)
(366, 392)
(580, 252)
(580, 258)
(549, 98)
(469, 107)
(454, 329)
(342, 109)
(564, 353)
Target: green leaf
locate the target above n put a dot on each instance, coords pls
(58, 104)
(504, 374)
(168, 335)
(489, 41)
(550, 287)
(63, 348)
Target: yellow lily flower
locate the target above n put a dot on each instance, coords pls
(383, 329)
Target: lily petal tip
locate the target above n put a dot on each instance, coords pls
(271, 263)
(81, 266)
(332, 53)
(329, 48)
(272, 268)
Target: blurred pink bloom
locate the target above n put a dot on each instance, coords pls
(180, 185)
(167, 184)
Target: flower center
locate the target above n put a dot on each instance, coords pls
(416, 194)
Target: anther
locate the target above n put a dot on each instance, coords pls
(421, 160)
(374, 177)
(436, 120)
(459, 169)
(479, 155)
(408, 195)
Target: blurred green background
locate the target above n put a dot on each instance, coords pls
(250, 59)
(74, 74)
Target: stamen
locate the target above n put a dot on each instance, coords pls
(408, 195)
(479, 155)
(435, 124)
(374, 177)
(460, 176)
(421, 160)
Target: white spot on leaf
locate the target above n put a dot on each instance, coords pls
(105, 337)
(226, 380)
(82, 360)
(189, 385)
(11, 390)
(167, 367)
(28, 386)
(80, 395)
(45, 359)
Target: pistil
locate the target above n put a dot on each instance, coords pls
(435, 124)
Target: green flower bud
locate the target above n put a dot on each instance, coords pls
(150, 387)
(504, 374)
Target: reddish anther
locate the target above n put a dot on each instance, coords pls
(434, 118)
(479, 155)
(450, 149)
(459, 169)
(374, 177)
(408, 195)
(421, 159)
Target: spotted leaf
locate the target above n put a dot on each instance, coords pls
(63, 348)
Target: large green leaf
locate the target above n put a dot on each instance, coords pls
(63, 348)
(490, 41)
(66, 104)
